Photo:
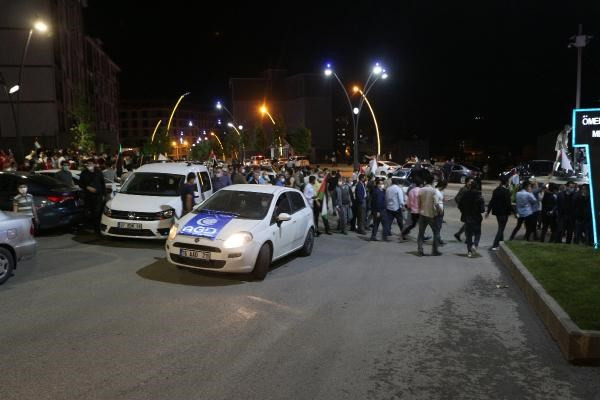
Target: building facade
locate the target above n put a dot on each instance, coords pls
(301, 100)
(62, 68)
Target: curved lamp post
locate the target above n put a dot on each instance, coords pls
(173, 112)
(377, 72)
(220, 144)
(364, 97)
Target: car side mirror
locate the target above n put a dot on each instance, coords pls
(282, 218)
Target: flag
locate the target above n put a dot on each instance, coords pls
(565, 163)
(321, 196)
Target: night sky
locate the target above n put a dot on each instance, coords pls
(507, 63)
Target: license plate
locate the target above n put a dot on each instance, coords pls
(199, 254)
(129, 225)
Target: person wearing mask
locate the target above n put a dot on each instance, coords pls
(566, 213)
(187, 194)
(280, 180)
(537, 190)
(361, 204)
(439, 201)
(341, 202)
(221, 180)
(24, 204)
(110, 173)
(394, 201)
(264, 178)
(412, 204)
(92, 183)
(238, 177)
(427, 212)
(525, 201)
(457, 199)
(549, 202)
(471, 207)
(583, 216)
(500, 206)
(378, 207)
(64, 175)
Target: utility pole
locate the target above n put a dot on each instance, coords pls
(579, 41)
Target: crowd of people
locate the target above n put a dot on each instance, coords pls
(361, 201)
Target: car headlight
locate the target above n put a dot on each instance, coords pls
(237, 240)
(107, 211)
(166, 214)
(173, 232)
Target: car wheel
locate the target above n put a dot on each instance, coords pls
(263, 262)
(306, 250)
(463, 179)
(7, 265)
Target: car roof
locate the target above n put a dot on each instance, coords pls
(172, 168)
(270, 189)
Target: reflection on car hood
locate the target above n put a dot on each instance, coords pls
(7, 216)
(233, 226)
(130, 202)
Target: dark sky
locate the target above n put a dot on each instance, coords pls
(506, 61)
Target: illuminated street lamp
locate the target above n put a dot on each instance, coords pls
(41, 27)
(173, 111)
(243, 147)
(356, 89)
(377, 72)
(264, 110)
(220, 144)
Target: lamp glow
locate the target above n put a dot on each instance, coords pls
(40, 26)
(14, 89)
(377, 69)
(355, 110)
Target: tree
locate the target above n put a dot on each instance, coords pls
(160, 145)
(301, 140)
(83, 127)
(260, 138)
(279, 132)
(231, 143)
(200, 151)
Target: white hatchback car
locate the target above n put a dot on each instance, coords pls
(241, 229)
(386, 167)
(149, 200)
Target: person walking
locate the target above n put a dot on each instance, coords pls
(311, 197)
(395, 203)
(412, 204)
(427, 212)
(500, 206)
(583, 216)
(471, 208)
(378, 207)
(549, 202)
(457, 199)
(439, 200)
(91, 181)
(566, 213)
(525, 202)
(361, 204)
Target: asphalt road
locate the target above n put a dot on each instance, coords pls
(95, 319)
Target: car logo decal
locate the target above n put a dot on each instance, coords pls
(131, 215)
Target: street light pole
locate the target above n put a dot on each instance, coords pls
(364, 97)
(173, 112)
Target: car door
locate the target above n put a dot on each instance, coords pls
(302, 215)
(283, 232)
(455, 173)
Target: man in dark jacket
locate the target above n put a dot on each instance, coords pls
(91, 181)
(583, 216)
(457, 199)
(64, 175)
(501, 207)
(471, 206)
(565, 213)
(378, 207)
(549, 202)
(361, 204)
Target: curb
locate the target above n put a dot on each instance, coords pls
(578, 346)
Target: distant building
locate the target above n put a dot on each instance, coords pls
(139, 118)
(300, 100)
(62, 67)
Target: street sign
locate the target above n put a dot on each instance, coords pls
(586, 134)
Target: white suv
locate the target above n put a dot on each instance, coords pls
(149, 201)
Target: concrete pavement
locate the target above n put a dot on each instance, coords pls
(98, 319)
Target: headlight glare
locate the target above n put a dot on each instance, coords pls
(237, 240)
(173, 232)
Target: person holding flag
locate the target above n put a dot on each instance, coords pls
(321, 201)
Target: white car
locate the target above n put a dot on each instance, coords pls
(241, 229)
(149, 201)
(386, 167)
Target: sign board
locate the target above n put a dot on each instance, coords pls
(586, 134)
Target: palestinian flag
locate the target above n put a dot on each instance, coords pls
(321, 196)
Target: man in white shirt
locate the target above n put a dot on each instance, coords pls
(395, 202)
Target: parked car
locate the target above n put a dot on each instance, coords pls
(386, 167)
(16, 242)
(57, 205)
(110, 186)
(258, 160)
(460, 173)
(243, 228)
(149, 201)
(300, 161)
(533, 168)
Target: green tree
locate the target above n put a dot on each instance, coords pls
(260, 138)
(301, 140)
(83, 127)
(200, 151)
(231, 143)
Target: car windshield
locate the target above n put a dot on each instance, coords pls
(250, 205)
(153, 184)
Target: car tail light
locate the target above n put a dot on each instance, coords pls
(59, 199)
